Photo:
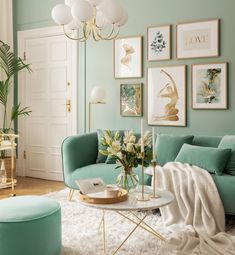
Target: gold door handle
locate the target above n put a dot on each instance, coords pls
(68, 105)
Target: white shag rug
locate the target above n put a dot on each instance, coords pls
(81, 234)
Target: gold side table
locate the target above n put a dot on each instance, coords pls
(7, 143)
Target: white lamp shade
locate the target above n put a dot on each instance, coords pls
(82, 10)
(112, 11)
(61, 14)
(98, 94)
(95, 2)
(123, 20)
(74, 25)
(100, 20)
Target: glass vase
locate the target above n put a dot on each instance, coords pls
(128, 180)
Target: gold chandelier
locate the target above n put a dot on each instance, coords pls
(81, 19)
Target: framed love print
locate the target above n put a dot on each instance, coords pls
(198, 39)
(128, 57)
(159, 43)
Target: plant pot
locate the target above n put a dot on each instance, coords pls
(7, 162)
(127, 180)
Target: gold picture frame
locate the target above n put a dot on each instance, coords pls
(209, 86)
(198, 39)
(127, 57)
(155, 51)
(131, 100)
(160, 112)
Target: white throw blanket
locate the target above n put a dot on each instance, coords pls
(196, 217)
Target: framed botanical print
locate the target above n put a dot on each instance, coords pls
(209, 86)
(167, 96)
(198, 39)
(159, 43)
(128, 57)
(131, 100)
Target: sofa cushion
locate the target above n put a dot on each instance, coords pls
(106, 172)
(168, 147)
(211, 159)
(228, 142)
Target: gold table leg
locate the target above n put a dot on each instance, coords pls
(70, 196)
(133, 230)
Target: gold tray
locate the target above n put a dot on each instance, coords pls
(123, 195)
(7, 184)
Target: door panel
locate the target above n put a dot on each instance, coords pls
(50, 122)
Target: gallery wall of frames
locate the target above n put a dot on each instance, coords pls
(166, 84)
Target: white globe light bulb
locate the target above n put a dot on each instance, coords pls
(100, 20)
(123, 20)
(61, 14)
(111, 10)
(82, 10)
(95, 2)
(74, 25)
(69, 2)
(98, 94)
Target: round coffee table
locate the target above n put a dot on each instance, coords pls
(130, 207)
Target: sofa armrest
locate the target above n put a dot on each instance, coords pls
(79, 151)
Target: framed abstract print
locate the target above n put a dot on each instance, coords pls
(128, 57)
(167, 96)
(159, 43)
(198, 39)
(209, 86)
(131, 100)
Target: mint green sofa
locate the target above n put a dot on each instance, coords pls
(79, 155)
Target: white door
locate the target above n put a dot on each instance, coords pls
(50, 92)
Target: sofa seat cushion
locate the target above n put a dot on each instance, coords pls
(226, 188)
(106, 172)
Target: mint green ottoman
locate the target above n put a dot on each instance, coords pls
(30, 225)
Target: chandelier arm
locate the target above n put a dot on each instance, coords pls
(112, 35)
(81, 39)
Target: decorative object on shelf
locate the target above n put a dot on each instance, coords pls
(209, 86)
(131, 100)
(127, 152)
(128, 57)
(167, 96)
(7, 143)
(3, 173)
(98, 95)
(81, 19)
(159, 42)
(198, 39)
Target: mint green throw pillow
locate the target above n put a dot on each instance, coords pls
(228, 142)
(168, 146)
(211, 159)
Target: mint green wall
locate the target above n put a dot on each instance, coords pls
(98, 58)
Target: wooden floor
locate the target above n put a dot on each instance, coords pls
(32, 186)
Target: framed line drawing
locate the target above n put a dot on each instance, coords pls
(209, 86)
(198, 39)
(159, 43)
(128, 57)
(167, 96)
(131, 100)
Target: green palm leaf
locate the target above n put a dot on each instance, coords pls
(9, 62)
(16, 111)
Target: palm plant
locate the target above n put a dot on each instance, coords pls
(10, 65)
